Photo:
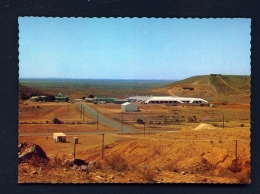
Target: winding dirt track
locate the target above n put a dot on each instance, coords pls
(234, 88)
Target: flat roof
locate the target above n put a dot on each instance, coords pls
(59, 134)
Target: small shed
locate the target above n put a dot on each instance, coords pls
(129, 107)
(34, 98)
(61, 98)
(59, 137)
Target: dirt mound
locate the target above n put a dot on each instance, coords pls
(27, 152)
(195, 165)
(204, 126)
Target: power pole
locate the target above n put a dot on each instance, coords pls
(144, 129)
(74, 149)
(236, 156)
(223, 120)
(97, 120)
(80, 111)
(83, 114)
(103, 140)
(122, 124)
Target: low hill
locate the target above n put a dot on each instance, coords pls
(215, 88)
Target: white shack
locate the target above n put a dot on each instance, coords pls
(59, 137)
(129, 107)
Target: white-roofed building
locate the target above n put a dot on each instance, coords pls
(129, 107)
(59, 137)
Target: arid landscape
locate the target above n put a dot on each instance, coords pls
(174, 144)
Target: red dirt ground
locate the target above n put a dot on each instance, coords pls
(207, 155)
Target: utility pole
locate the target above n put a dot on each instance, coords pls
(83, 114)
(103, 140)
(223, 120)
(97, 120)
(69, 100)
(122, 124)
(144, 128)
(236, 156)
(80, 110)
(74, 149)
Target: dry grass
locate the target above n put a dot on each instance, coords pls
(157, 149)
(244, 177)
(116, 162)
(148, 174)
(37, 161)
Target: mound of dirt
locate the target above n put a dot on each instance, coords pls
(204, 126)
(195, 164)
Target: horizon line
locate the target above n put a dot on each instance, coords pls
(91, 78)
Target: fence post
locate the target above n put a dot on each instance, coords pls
(236, 156)
(74, 149)
(223, 120)
(144, 129)
(122, 123)
(83, 114)
(97, 120)
(103, 137)
(80, 111)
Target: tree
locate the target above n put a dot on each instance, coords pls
(33, 94)
(139, 121)
(56, 121)
(24, 96)
(91, 96)
(50, 98)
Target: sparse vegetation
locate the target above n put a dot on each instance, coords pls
(116, 161)
(124, 154)
(148, 174)
(157, 149)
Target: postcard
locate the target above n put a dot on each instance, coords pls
(134, 100)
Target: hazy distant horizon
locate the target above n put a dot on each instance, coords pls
(96, 78)
(122, 78)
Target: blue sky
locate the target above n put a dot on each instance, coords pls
(132, 48)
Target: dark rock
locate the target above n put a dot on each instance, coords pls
(80, 162)
(30, 151)
(22, 145)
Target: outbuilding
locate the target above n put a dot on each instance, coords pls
(129, 107)
(34, 98)
(59, 137)
(61, 98)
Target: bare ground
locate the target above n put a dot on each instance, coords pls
(206, 155)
